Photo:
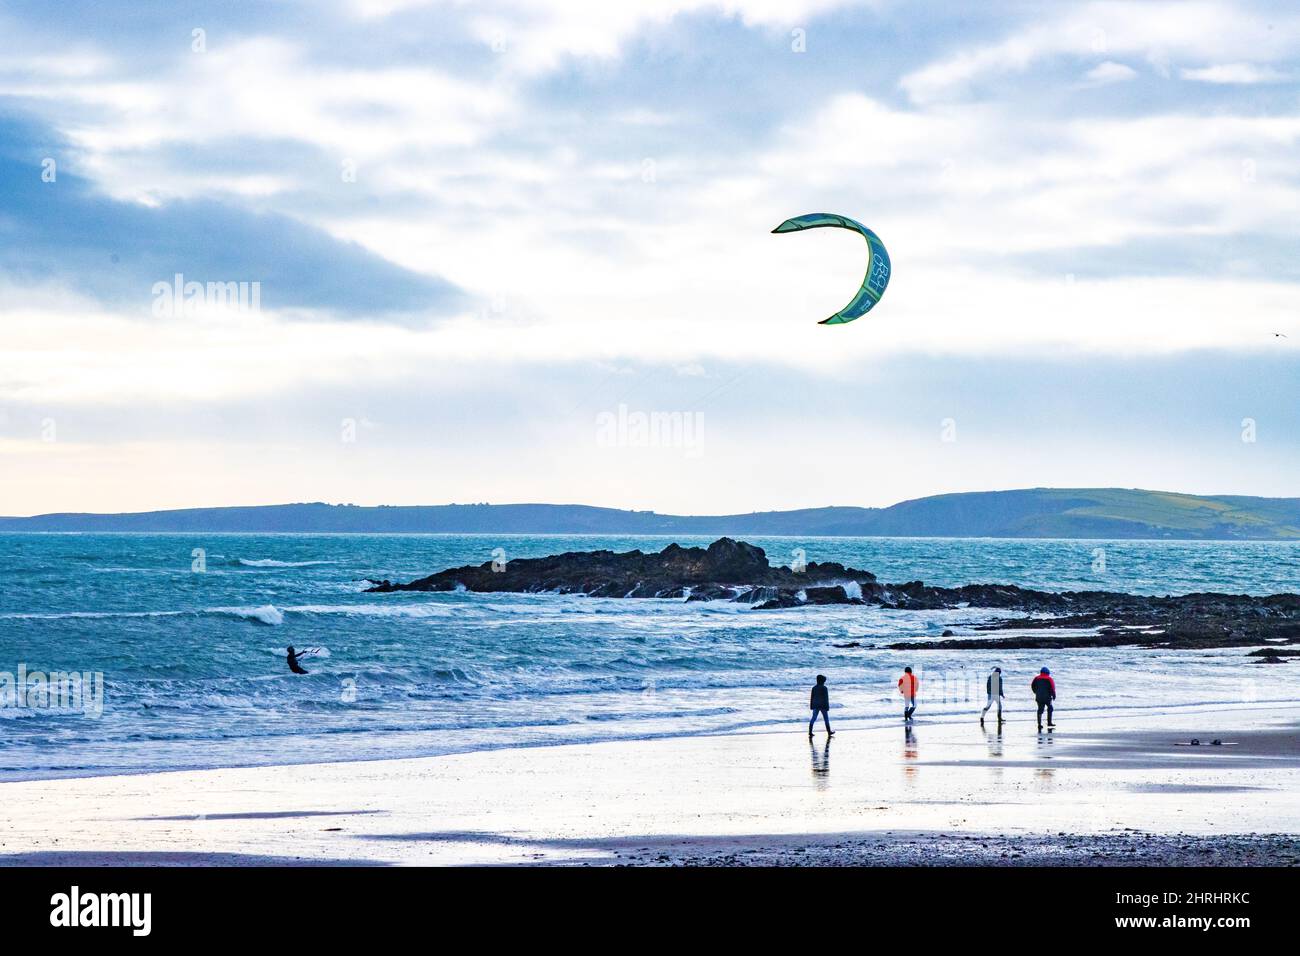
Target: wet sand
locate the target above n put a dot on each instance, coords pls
(1103, 788)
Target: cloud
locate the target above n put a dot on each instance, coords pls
(1200, 30)
(1020, 422)
(1109, 72)
(65, 231)
(536, 36)
(1235, 74)
(255, 91)
(595, 193)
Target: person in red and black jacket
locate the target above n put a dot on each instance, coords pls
(1044, 689)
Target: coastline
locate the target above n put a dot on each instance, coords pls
(1119, 787)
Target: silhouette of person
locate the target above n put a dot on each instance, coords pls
(994, 687)
(292, 658)
(820, 703)
(1044, 689)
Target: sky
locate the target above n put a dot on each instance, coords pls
(521, 251)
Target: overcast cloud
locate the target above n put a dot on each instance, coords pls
(476, 227)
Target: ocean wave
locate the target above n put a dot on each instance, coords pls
(349, 587)
(19, 713)
(90, 615)
(265, 614)
(662, 714)
(116, 570)
(377, 610)
(274, 563)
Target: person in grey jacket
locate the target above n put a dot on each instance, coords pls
(820, 702)
(994, 687)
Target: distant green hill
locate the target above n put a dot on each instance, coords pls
(1095, 513)
(1029, 513)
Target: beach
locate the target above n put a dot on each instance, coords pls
(1105, 787)
(543, 728)
(194, 674)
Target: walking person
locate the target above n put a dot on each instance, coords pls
(1044, 689)
(908, 686)
(820, 703)
(994, 687)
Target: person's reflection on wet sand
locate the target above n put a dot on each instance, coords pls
(821, 763)
(1044, 776)
(994, 740)
(909, 754)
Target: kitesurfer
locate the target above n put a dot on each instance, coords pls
(292, 658)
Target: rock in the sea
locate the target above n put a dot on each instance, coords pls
(730, 570)
(725, 570)
(834, 594)
(706, 592)
(783, 599)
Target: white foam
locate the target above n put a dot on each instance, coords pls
(375, 610)
(266, 613)
(93, 615)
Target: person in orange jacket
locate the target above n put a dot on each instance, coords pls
(907, 686)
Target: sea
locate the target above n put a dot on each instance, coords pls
(186, 635)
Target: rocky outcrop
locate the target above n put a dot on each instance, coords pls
(729, 570)
(725, 570)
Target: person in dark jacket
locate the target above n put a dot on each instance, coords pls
(1044, 689)
(293, 660)
(994, 687)
(820, 702)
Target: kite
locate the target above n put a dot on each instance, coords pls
(877, 277)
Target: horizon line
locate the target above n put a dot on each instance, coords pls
(552, 504)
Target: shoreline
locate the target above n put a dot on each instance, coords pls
(875, 722)
(945, 793)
